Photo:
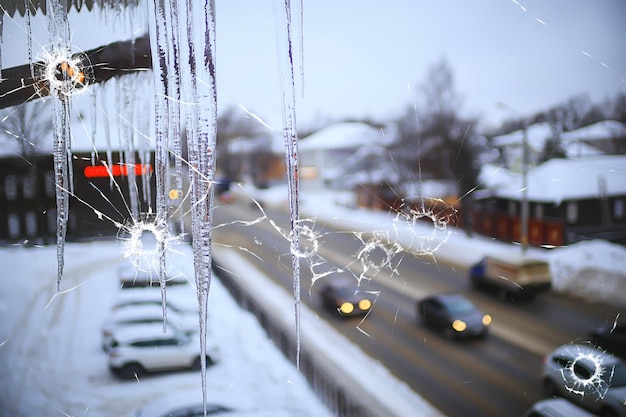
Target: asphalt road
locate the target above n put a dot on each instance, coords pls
(497, 376)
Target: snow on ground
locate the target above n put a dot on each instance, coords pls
(50, 357)
(51, 362)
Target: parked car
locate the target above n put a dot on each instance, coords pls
(344, 296)
(189, 404)
(587, 376)
(137, 350)
(146, 314)
(152, 296)
(511, 276)
(453, 314)
(611, 338)
(130, 277)
(556, 407)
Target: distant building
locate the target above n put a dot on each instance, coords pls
(323, 154)
(97, 205)
(569, 200)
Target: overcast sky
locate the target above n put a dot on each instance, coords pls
(368, 58)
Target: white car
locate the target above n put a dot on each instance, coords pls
(556, 407)
(137, 350)
(189, 404)
(131, 277)
(146, 314)
(587, 376)
(152, 296)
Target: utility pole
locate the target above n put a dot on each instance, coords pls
(525, 208)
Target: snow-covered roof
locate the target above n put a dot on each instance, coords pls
(536, 137)
(606, 129)
(558, 180)
(347, 135)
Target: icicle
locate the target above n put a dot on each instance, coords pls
(174, 104)
(94, 122)
(58, 32)
(29, 37)
(126, 136)
(159, 47)
(1, 37)
(286, 70)
(201, 140)
(107, 136)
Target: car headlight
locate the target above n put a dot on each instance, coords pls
(486, 319)
(346, 308)
(365, 304)
(459, 325)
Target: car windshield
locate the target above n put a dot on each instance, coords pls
(460, 306)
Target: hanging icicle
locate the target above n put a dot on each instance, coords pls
(287, 82)
(201, 124)
(58, 32)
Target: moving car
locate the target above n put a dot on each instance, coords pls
(587, 376)
(611, 338)
(137, 350)
(511, 276)
(345, 297)
(453, 314)
(146, 314)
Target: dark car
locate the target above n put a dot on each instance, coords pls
(611, 338)
(453, 314)
(345, 297)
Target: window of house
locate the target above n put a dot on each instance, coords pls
(513, 208)
(10, 187)
(13, 222)
(538, 211)
(28, 186)
(50, 187)
(30, 219)
(618, 208)
(572, 211)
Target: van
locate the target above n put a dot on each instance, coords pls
(512, 275)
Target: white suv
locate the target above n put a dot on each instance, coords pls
(137, 350)
(587, 376)
(145, 314)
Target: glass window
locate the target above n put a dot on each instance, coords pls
(14, 225)
(29, 184)
(31, 223)
(572, 211)
(618, 208)
(50, 187)
(10, 187)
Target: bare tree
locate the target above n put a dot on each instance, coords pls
(29, 124)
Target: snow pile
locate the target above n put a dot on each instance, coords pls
(593, 270)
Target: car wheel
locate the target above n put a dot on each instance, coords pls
(549, 389)
(197, 363)
(131, 370)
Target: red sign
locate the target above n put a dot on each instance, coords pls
(102, 171)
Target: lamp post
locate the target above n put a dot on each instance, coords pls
(525, 206)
